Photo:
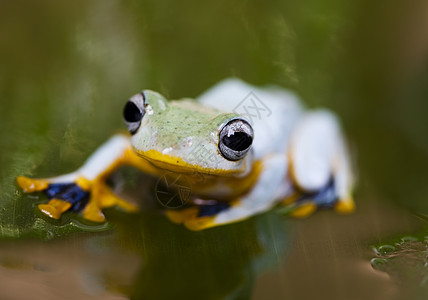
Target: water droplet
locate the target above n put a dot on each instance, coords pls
(49, 234)
(377, 263)
(385, 249)
(406, 239)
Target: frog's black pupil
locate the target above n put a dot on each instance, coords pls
(238, 141)
(132, 113)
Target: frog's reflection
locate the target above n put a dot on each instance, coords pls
(218, 263)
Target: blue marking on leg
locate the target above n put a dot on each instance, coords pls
(55, 189)
(325, 197)
(212, 209)
(69, 192)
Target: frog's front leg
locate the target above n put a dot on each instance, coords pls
(261, 197)
(85, 189)
(320, 165)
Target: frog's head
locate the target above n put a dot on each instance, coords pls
(185, 136)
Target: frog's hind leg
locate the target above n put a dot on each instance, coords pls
(319, 164)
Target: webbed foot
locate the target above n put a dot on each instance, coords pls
(304, 204)
(82, 196)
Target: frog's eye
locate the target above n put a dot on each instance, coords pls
(236, 138)
(134, 112)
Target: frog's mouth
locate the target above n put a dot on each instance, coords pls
(177, 164)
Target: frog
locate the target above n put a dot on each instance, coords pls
(237, 149)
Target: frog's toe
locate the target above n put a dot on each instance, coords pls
(345, 206)
(304, 210)
(197, 217)
(189, 217)
(55, 208)
(93, 213)
(30, 185)
(105, 197)
(180, 216)
(200, 223)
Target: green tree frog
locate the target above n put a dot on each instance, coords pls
(241, 150)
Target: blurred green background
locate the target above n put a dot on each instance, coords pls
(67, 68)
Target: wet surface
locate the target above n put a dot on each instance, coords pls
(331, 253)
(266, 257)
(405, 261)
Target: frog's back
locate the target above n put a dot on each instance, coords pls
(271, 110)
